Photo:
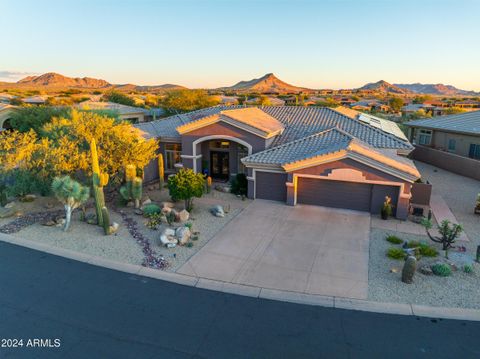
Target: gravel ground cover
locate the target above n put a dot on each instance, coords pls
(122, 246)
(458, 290)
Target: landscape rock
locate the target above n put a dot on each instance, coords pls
(146, 201)
(130, 204)
(183, 234)
(166, 210)
(167, 204)
(223, 188)
(138, 211)
(6, 212)
(183, 216)
(49, 205)
(9, 205)
(217, 211)
(408, 270)
(49, 223)
(425, 270)
(28, 198)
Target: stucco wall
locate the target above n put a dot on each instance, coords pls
(448, 161)
(440, 141)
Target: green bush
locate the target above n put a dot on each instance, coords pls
(441, 269)
(413, 244)
(428, 251)
(394, 239)
(189, 244)
(24, 182)
(468, 268)
(239, 185)
(396, 253)
(186, 185)
(151, 209)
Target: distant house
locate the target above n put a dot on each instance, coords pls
(35, 100)
(428, 108)
(6, 97)
(6, 112)
(228, 100)
(458, 134)
(370, 105)
(127, 113)
(468, 104)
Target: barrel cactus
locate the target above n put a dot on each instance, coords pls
(408, 270)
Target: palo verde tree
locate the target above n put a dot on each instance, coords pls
(187, 100)
(71, 194)
(449, 232)
(186, 185)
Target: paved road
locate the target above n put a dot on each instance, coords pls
(100, 313)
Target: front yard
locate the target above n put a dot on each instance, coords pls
(122, 246)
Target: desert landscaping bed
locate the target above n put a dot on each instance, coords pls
(460, 289)
(122, 246)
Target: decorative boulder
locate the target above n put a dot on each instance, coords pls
(217, 211)
(146, 201)
(183, 216)
(426, 270)
(167, 204)
(183, 235)
(167, 238)
(408, 270)
(166, 210)
(9, 205)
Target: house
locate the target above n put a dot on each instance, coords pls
(274, 101)
(35, 100)
(296, 155)
(429, 109)
(370, 105)
(6, 97)
(458, 134)
(126, 113)
(468, 104)
(6, 112)
(228, 100)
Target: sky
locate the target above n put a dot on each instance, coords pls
(213, 43)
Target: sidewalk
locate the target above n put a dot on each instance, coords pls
(442, 212)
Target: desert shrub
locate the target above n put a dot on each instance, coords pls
(186, 185)
(428, 251)
(189, 225)
(396, 253)
(151, 209)
(394, 239)
(154, 220)
(170, 217)
(239, 184)
(23, 182)
(468, 268)
(189, 244)
(413, 244)
(441, 269)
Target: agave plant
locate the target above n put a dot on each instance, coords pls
(71, 194)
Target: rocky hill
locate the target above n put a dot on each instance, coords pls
(265, 84)
(52, 79)
(384, 87)
(436, 89)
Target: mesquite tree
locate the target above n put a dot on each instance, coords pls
(71, 193)
(449, 232)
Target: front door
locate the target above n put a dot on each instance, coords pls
(219, 162)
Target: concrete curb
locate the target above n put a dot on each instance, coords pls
(251, 291)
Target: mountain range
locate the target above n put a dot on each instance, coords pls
(268, 83)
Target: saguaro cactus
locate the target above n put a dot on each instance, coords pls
(99, 181)
(161, 170)
(132, 190)
(408, 270)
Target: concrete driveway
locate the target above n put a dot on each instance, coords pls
(307, 249)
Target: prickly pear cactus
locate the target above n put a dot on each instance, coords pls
(408, 270)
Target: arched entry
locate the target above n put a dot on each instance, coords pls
(217, 156)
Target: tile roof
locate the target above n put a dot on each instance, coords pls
(299, 122)
(318, 144)
(468, 123)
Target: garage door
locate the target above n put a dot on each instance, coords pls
(336, 194)
(271, 186)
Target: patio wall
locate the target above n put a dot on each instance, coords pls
(421, 193)
(448, 161)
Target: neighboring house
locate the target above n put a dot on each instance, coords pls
(126, 113)
(370, 105)
(228, 100)
(459, 134)
(6, 97)
(5, 115)
(274, 101)
(429, 109)
(468, 104)
(35, 100)
(297, 155)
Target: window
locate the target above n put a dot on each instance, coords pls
(219, 145)
(474, 151)
(425, 137)
(173, 152)
(241, 153)
(451, 145)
